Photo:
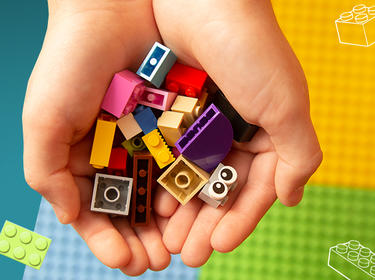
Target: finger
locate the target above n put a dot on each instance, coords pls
(180, 224)
(80, 157)
(103, 239)
(164, 203)
(150, 236)
(197, 247)
(46, 157)
(253, 201)
(139, 262)
(161, 222)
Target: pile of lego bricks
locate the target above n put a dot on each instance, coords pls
(185, 129)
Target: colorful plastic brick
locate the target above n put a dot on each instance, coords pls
(208, 140)
(142, 182)
(129, 126)
(158, 148)
(223, 179)
(183, 179)
(357, 27)
(242, 131)
(188, 106)
(185, 80)
(134, 144)
(117, 162)
(23, 245)
(102, 145)
(202, 103)
(352, 260)
(157, 64)
(171, 126)
(111, 194)
(158, 99)
(123, 93)
(146, 120)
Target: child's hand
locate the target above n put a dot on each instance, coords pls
(86, 43)
(240, 45)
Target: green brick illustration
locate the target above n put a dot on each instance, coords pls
(352, 260)
(23, 245)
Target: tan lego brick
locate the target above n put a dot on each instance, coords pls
(186, 105)
(183, 179)
(129, 126)
(171, 126)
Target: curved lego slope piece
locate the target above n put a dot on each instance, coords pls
(208, 140)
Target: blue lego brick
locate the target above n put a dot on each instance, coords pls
(69, 258)
(146, 120)
(157, 64)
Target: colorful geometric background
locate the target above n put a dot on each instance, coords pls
(339, 202)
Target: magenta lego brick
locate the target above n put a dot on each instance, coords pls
(158, 99)
(208, 140)
(123, 93)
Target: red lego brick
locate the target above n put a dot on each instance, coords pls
(186, 80)
(117, 162)
(142, 182)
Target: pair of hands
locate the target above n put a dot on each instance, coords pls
(239, 44)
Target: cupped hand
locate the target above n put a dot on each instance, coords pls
(240, 45)
(87, 41)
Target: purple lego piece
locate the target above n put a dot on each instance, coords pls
(123, 93)
(208, 140)
(158, 99)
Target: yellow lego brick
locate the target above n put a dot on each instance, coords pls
(341, 86)
(129, 126)
(171, 126)
(183, 179)
(102, 145)
(187, 106)
(158, 149)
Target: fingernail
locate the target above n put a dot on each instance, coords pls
(60, 213)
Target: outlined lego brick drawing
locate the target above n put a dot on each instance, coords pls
(352, 260)
(357, 27)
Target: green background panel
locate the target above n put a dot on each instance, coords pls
(293, 243)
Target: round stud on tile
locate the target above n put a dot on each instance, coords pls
(41, 244)
(34, 259)
(10, 231)
(163, 156)
(19, 253)
(4, 246)
(153, 140)
(26, 237)
(153, 61)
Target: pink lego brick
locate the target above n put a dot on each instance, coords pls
(158, 99)
(123, 93)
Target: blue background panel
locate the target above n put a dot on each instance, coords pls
(22, 28)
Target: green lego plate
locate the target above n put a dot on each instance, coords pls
(294, 243)
(23, 245)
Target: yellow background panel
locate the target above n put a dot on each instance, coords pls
(341, 81)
